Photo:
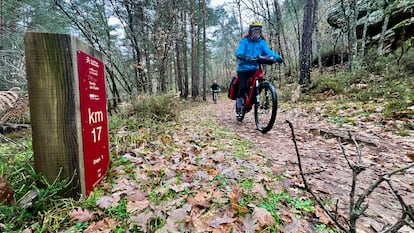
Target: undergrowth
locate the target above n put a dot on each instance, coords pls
(48, 210)
(144, 124)
(378, 83)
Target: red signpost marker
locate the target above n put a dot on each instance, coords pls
(68, 110)
(94, 119)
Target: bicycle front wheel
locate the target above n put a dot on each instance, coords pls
(215, 96)
(265, 107)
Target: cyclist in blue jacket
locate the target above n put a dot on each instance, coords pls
(250, 47)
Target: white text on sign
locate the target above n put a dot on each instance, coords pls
(95, 117)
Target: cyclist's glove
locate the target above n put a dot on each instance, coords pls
(244, 58)
(241, 57)
(279, 59)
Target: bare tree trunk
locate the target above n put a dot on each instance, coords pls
(317, 35)
(353, 36)
(148, 66)
(134, 41)
(185, 51)
(240, 17)
(204, 52)
(194, 76)
(281, 37)
(146, 75)
(297, 31)
(306, 49)
(178, 44)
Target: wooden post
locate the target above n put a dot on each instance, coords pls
(68, 110)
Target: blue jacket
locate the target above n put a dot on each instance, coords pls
(253, 49)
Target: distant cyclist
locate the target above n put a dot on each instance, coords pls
(251, 46)
(215, 88)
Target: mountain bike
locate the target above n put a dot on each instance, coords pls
(261, 94)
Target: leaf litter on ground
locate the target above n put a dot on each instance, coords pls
(195, 176)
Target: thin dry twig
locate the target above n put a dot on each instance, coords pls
(331, 216)
(356, 207)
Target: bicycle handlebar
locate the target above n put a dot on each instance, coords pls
(269, 60)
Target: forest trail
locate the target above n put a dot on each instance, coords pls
(322, 158)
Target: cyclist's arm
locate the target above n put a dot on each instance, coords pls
(270, 52)
(241, 50)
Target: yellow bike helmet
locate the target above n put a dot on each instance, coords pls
(257, 27)
(256, 24)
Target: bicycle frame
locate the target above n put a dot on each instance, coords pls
(262, 95)
(253, 83)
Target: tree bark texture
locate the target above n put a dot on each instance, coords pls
(306, 49)
(194, 75)
(204, 52)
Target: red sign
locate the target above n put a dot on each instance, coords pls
(94, 119)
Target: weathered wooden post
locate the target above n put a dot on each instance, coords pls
(68, 110)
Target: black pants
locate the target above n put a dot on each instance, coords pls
(243, 81)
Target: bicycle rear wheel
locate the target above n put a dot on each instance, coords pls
(265, 108)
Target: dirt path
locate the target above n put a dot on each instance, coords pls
(329, 174)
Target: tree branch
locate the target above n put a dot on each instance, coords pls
(332, 217)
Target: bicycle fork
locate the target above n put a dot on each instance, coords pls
(257, 92)
(265, 105)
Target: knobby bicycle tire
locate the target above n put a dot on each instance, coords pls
(215, 97)
(265, 107)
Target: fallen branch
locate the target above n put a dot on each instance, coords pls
(332, 217)
(338, 134)
(356, 205)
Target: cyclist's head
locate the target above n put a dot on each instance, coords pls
(255, 30)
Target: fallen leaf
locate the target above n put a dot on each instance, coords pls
(178, 214)
(133, 206)
(286, 217)
(263, 216)
(234, 197)
(320, 213)
(104, 226)
(410, 155)
(104, 202)
(179, 188)
(250, 224)
(258, 188)
(80, 215)
(198, 223)
(135, 195)
(200, 200)
(240, 208)
(141, 220)
(291, 222)
(169, 227)
(225, 219)
(6, 192)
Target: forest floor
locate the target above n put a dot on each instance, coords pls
(207, 172)
(324, 163)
